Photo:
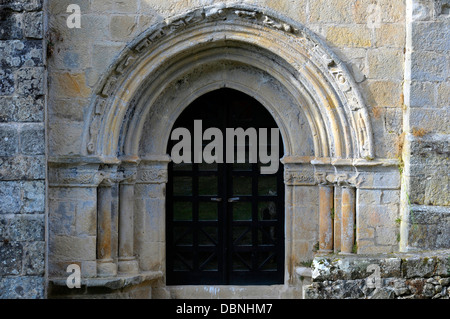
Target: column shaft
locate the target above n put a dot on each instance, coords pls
(326, 199)
(105, 265)
(127, 261)
(348, 219)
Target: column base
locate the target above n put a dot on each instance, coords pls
(106, 268)
(128, 265)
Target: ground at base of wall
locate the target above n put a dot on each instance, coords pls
(421, 275)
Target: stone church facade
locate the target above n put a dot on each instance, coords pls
(358, 89)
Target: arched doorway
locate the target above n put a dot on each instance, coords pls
(122, 171)
(225, 221)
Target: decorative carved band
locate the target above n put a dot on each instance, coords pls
(152, 176)
(339, 179)
(299, 177)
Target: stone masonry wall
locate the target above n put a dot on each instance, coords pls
(426, 192)
(401, 276)
(22, 149)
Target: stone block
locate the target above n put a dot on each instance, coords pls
(428, 66)
(422, 10)
(23, 287)
(432, 120)
(62, 216)
(30, 81)
(115, 6)
(393, 122)
(422, 94)
(443, 94)
(22, 227)
(386, 236)
(32, 139)
(23, 5)
(10, 193)
(354, 36)
(33, 198)
(65, 136)
(11, 26)
(60, 6)
(383, 11)
(22, 109)
(429, 227)
(384, 93)
(69, 85)
(418, 266)
(22, 167)
(33, 25)
(86, 218)
(104, 55)
(71, 248)
(6, 82)
(122, 27)
(431, 36)
(386, 63)
(341, 267)
(11, 258)
(18, 53)
(390, 35)
(9, 140)
(330, 11)
(34, 258)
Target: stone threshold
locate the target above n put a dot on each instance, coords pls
(117, 282)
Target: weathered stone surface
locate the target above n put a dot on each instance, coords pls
(33, 25)
(24, 287)
(18, 53)
(32, 141)
(30, 81)
(406, 276)
(6, 82)
(21, 5)
(22, 109)
(22, 168)
(429, 227)
(10, 193)
(10, 26)
(428, 66)
(11, 258)
(9, 138)
(357, 36)
(431, 36)
(22, 227)
(34, 258)
(22, 150)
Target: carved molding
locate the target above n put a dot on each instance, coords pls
(75, 177)
(296, 177)
(152, 176)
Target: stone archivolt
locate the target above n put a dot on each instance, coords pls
(296, 57)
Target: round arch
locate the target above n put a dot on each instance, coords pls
(153, 69)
